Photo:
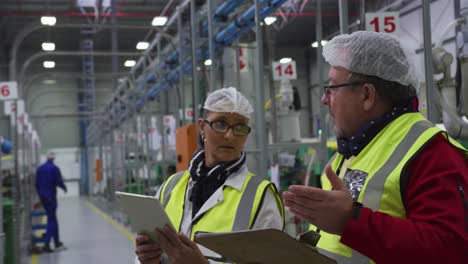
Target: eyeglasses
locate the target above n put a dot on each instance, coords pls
(327, 88)
(222, 127)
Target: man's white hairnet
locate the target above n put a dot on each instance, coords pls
(372, 53)
(228, 100)
(50, 155)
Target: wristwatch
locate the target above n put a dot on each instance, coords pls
(357, 206)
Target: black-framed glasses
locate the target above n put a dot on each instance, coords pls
(327, 88)
(222, 127)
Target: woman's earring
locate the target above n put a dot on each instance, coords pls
(203, 138)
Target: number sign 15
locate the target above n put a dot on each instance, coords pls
(387, 22)
(284, 71)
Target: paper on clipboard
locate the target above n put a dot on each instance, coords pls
(266, 246)
(145, 213)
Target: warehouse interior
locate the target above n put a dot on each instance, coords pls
(114, 88)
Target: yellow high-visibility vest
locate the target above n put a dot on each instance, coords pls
(237, 211)
(383, 160)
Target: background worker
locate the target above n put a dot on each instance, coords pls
(48, 178)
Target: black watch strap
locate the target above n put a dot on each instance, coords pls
(357, 206)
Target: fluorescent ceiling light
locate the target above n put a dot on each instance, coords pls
(48, 20)
(269, 20)
(49, 81)
(48, 64)
(142, 45)
(208, 62)
(129, 63)
(159, 21)
(315, 44)
(285, 60)
(48, 46)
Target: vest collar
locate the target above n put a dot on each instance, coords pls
(355, 144)
(237, 179)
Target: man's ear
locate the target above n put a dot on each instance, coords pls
(370, 96)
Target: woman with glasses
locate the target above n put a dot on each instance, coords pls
(217, 193)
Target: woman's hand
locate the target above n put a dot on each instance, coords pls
(179, 248)
(147, 251)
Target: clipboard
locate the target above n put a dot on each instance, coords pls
(264, 246)
(145, 213)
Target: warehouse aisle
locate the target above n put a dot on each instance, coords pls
(89, 235)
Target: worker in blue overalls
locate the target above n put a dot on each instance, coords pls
(48, 178)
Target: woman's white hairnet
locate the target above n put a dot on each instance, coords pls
(372, 53)
(228, 100)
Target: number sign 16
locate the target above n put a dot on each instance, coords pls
(8, 90)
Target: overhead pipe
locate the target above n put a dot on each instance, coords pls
(59, 75)
(245, 22)
(222, 12)
(35, 26)
(454, 124)
(259, 95)
(67, 53)
(172, 19)
(172, 77)
(75, 14)
(428, 64)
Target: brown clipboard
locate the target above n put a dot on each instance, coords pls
(264, 246)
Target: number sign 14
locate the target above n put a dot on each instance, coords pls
(284, 71)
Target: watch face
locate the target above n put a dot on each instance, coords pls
(354, 180)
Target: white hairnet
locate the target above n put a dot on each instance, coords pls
(50, 155)
(372, 53)
(228, 100)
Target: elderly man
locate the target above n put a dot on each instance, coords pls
(48, 178)
(395, 191)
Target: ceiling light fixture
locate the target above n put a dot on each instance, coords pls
(315, 44)
(49, 81)
(48, 64)
(142, 45)
(48, 20)
(48, 46)
(208, 62)
(129, 63)
(285, 60)
(270, 20)
(159, 21)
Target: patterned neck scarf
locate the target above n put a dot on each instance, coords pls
(354, 145)
(208, 180)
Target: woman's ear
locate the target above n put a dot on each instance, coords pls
(201, 125)
(370, 96)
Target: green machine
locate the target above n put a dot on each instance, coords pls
(8, 228)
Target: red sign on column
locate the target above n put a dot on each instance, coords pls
(242, 64)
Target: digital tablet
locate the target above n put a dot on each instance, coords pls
(145, 213)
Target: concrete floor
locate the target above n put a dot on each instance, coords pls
(89, 235)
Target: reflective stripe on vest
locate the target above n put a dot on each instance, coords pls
(167, 191)
(373, 196)
(375, 187)
(244, 209)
